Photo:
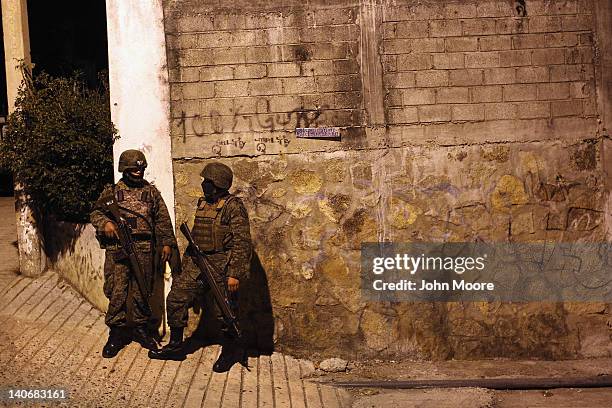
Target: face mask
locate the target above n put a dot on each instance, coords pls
(133, 181)
(209, 189)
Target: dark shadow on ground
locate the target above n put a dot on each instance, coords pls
(255, 317)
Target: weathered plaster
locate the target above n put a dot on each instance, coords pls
(140, 103)
(82, 263)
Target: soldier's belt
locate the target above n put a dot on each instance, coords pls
(141, 236)
(211, 252)
(137, 237)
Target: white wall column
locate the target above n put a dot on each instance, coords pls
(139, 90)
(32, 258)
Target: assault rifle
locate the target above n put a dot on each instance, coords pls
(205, 266)
(128, 249)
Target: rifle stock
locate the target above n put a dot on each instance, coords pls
(205, 266)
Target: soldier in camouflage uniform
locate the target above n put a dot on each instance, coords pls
(221, 230)
(143, 207)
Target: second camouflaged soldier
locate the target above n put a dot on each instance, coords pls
(142, 206)
(221, 230)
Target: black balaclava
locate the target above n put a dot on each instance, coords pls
(211, 192)
(131, 180)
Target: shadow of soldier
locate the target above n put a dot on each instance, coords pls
(255, 317)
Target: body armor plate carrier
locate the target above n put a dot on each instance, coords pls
(131, 203)
(209, 232)
(137, 202)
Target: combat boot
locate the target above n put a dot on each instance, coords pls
(115, 343)
(140, 335)
(173, 350)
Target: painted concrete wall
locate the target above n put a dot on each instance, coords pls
(139, 87)
(16, 44)
(461, 120)
(79, 259)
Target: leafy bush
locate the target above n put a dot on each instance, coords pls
(59, 144)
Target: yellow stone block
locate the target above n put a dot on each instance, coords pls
(508, 191)
(306, 181)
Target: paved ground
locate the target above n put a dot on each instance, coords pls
(9, 263)
(51, 337)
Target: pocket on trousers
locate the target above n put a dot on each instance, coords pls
(143, 247)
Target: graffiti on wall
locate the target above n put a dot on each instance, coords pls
(261, 121)
(557, 206)
(521, 8)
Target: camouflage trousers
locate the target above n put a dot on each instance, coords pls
(121, 289)
(186, 290)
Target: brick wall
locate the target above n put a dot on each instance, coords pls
(241, 80)
(460, 120)
(480, 61)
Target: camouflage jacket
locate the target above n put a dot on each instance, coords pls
(162, 224)
(236, 255)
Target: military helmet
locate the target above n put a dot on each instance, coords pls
(220, 174)
(132, 159)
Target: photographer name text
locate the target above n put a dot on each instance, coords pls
(432, 286)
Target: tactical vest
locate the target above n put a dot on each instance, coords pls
(209, 232)
(132, 202)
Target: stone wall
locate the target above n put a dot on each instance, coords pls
(460, 121)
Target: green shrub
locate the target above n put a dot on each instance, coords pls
(59, 145)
